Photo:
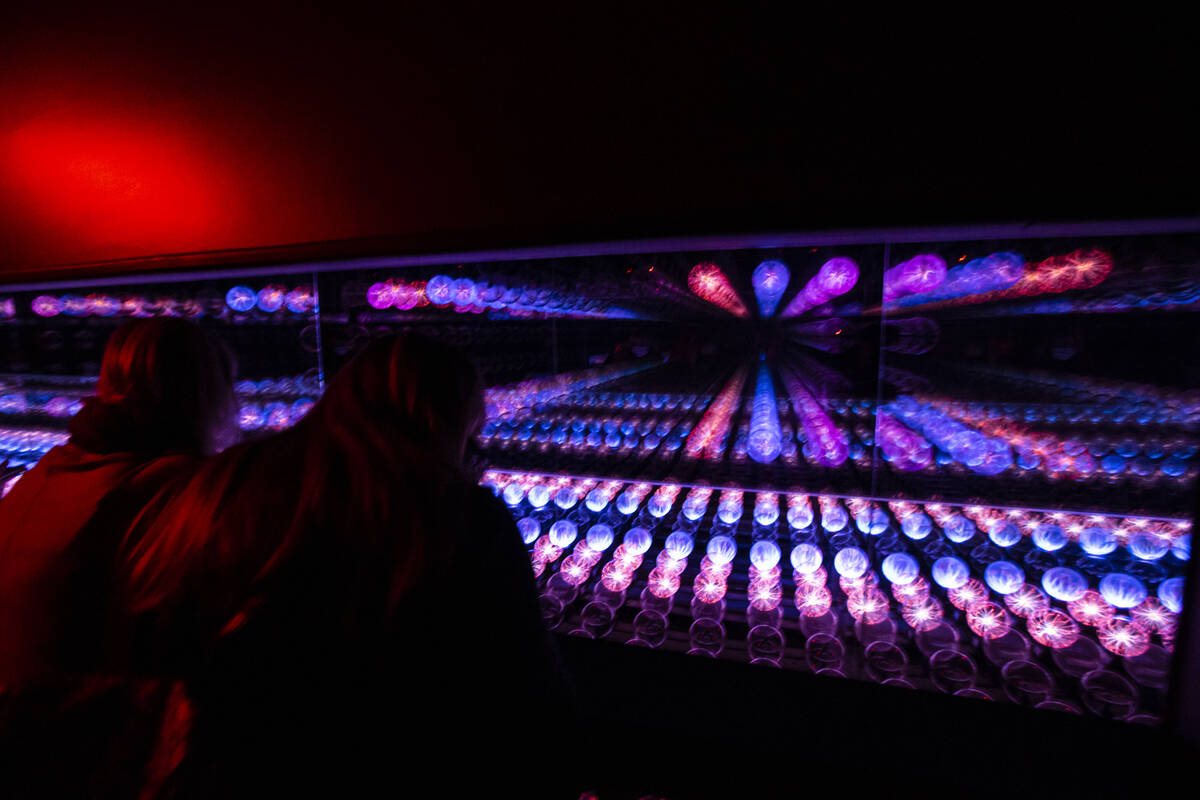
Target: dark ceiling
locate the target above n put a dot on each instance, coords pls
(135, 132)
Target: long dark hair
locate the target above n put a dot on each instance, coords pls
(164, 385)
(363, 480)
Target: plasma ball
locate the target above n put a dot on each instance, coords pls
(241, 299)
(923, 614)
(1026, 600)
(1004, 577)
(1052, 628)
(900, 569)
(1121, 590)
(950, 572)
(988, 620)
(764, 555)
(1091, 609)
(1064, 583)
(1123, 637)
(721, 549)
(968, 594)
(851, 562)
(806, 558)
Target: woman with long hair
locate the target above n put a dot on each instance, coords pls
(164, 401)
(344, 600)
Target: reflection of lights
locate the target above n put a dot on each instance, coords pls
(770, 281)
(836, 277)
(708, 282)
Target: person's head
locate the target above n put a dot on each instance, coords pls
(171, 384)
(407, 389)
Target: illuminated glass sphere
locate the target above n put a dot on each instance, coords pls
(900, 568)
(615, 578)
(1170, 592)
(1004, 533)
(922, 614)
(958, 528)
(834, 518)
(1049, 537)
(837, 276)
(806, 558)
(1123, 591)
(565, 498)
(679, 545)
(241, 298)
(694, 508)
(869, 606)
(988, 620)
(300, 300)
(1149, 546)
(764, 554)
(765, 595)
(1181, 548)
(911, 592)
(662, 584)
(599, 537)
(440, 290)
(659, 506)
(530, 529)
(270, 298)
(968, 594)
(709, 588)
(1123, 637)
(563, 533)
(800, 515)
(1026, 600)
(916, 526)
(873, 521)
(539, 495)
(406, 296)
(729, 511)
(104, 305)
(721, 549)
(1091, 609)
(950, 572)
(596, 500)
(638, 540)
(464, 292)
(302, 407)
(766, 513)
(813, 601)
(1052, 628)
(770, 281)
(1064, 583)
(1097, 541)
(627, 501)
(513, 494)
(1155, 617)
(251, 417)
(74, 305)
(546, 550)
(851, 562)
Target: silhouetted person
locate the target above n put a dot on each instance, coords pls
(352, 612)
(163, 401)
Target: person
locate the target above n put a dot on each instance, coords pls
(164, 400)
(348, 607)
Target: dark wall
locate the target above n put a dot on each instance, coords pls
(127, 132)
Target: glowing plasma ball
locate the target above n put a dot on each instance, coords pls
(766, 509)
(670, 565)
(813, 601)
(800, 514)
(1097, 541)
(765, 596)
(958, 528)
(103, 305)
(766, 438)
(407, 296)
(922, 614)
(626, 559)
(806, 558)
(566, 498)
(1064, 583)
(915, 590)
(869, 606)
(1170, 592)
(988, 620)
(873, 521)
(1052, 628)
(679, 545)
(573, 571)
(1149, 546)
(241, 298)
(950, 572)
(1004, 533)
(539, 495)
(1123, 637)
(464, 292)
(546, 550)
(764, 554)
(614, 578)
(851, 562)
(721, 549)
(1049, 537)
(1091, 609)
(300, 300)
(1026, 600)
(270, 298)
(662, 584)
(563, 533)
(900, 568)
(836, 277)
(770, 281)
(916, 526)
(709, 283)
(818, 577)
(440, 290)
(968, 594)
(586, 555)
(1121, 590)
(709, 588)
(1154, 617)
(638, 540)
(834, 517)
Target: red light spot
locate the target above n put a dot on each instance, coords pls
(962, 258)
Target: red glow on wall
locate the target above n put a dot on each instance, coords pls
(113, 181)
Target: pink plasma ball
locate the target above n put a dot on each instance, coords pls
(720, 570)
(1052, 628)
(586, 555)
(870, 606)
(1154, 617)
(765, 596)
(546, 550)
(813, 601)
(1091, 609)
(539, 566)
(817, 578)
(923, 614)
(670, 566)
(968, 594)
(911, 592)
(1123, 637)
(709, 588)
(988, 620)
(574, 572)
(862, 583)
(662, 584)
(614, 578)
(1027, 600)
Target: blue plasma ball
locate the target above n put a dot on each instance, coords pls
(637, 540)
(563, 533)
(901, 568)
(251, 417)
(302, 407)
(679, 544)
(770, 281)
(1170, 592)
(1113, 464)
(764, 554)
(599, 537)
(806, 558)
(850, 562)
(627, 503)
(916, 526)
(565, 498)
(539, 495)
(950, 572)
(958, 528)
(1004, 533)
(529, 529)
(800, 516)
(693, 508)
(659, 506)
(1121, 590)
(1174, 467)
(872, 521)
(270, 299)
(766, 513)
(1003, 577)
(1181, 548)
(729, 511)
(721, 549)
(440, 290)
(613, 440)
(1097, 541)
(241, 298)
(1064, 583)
(1049, 537)
(834, 518)
(1149, 547)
